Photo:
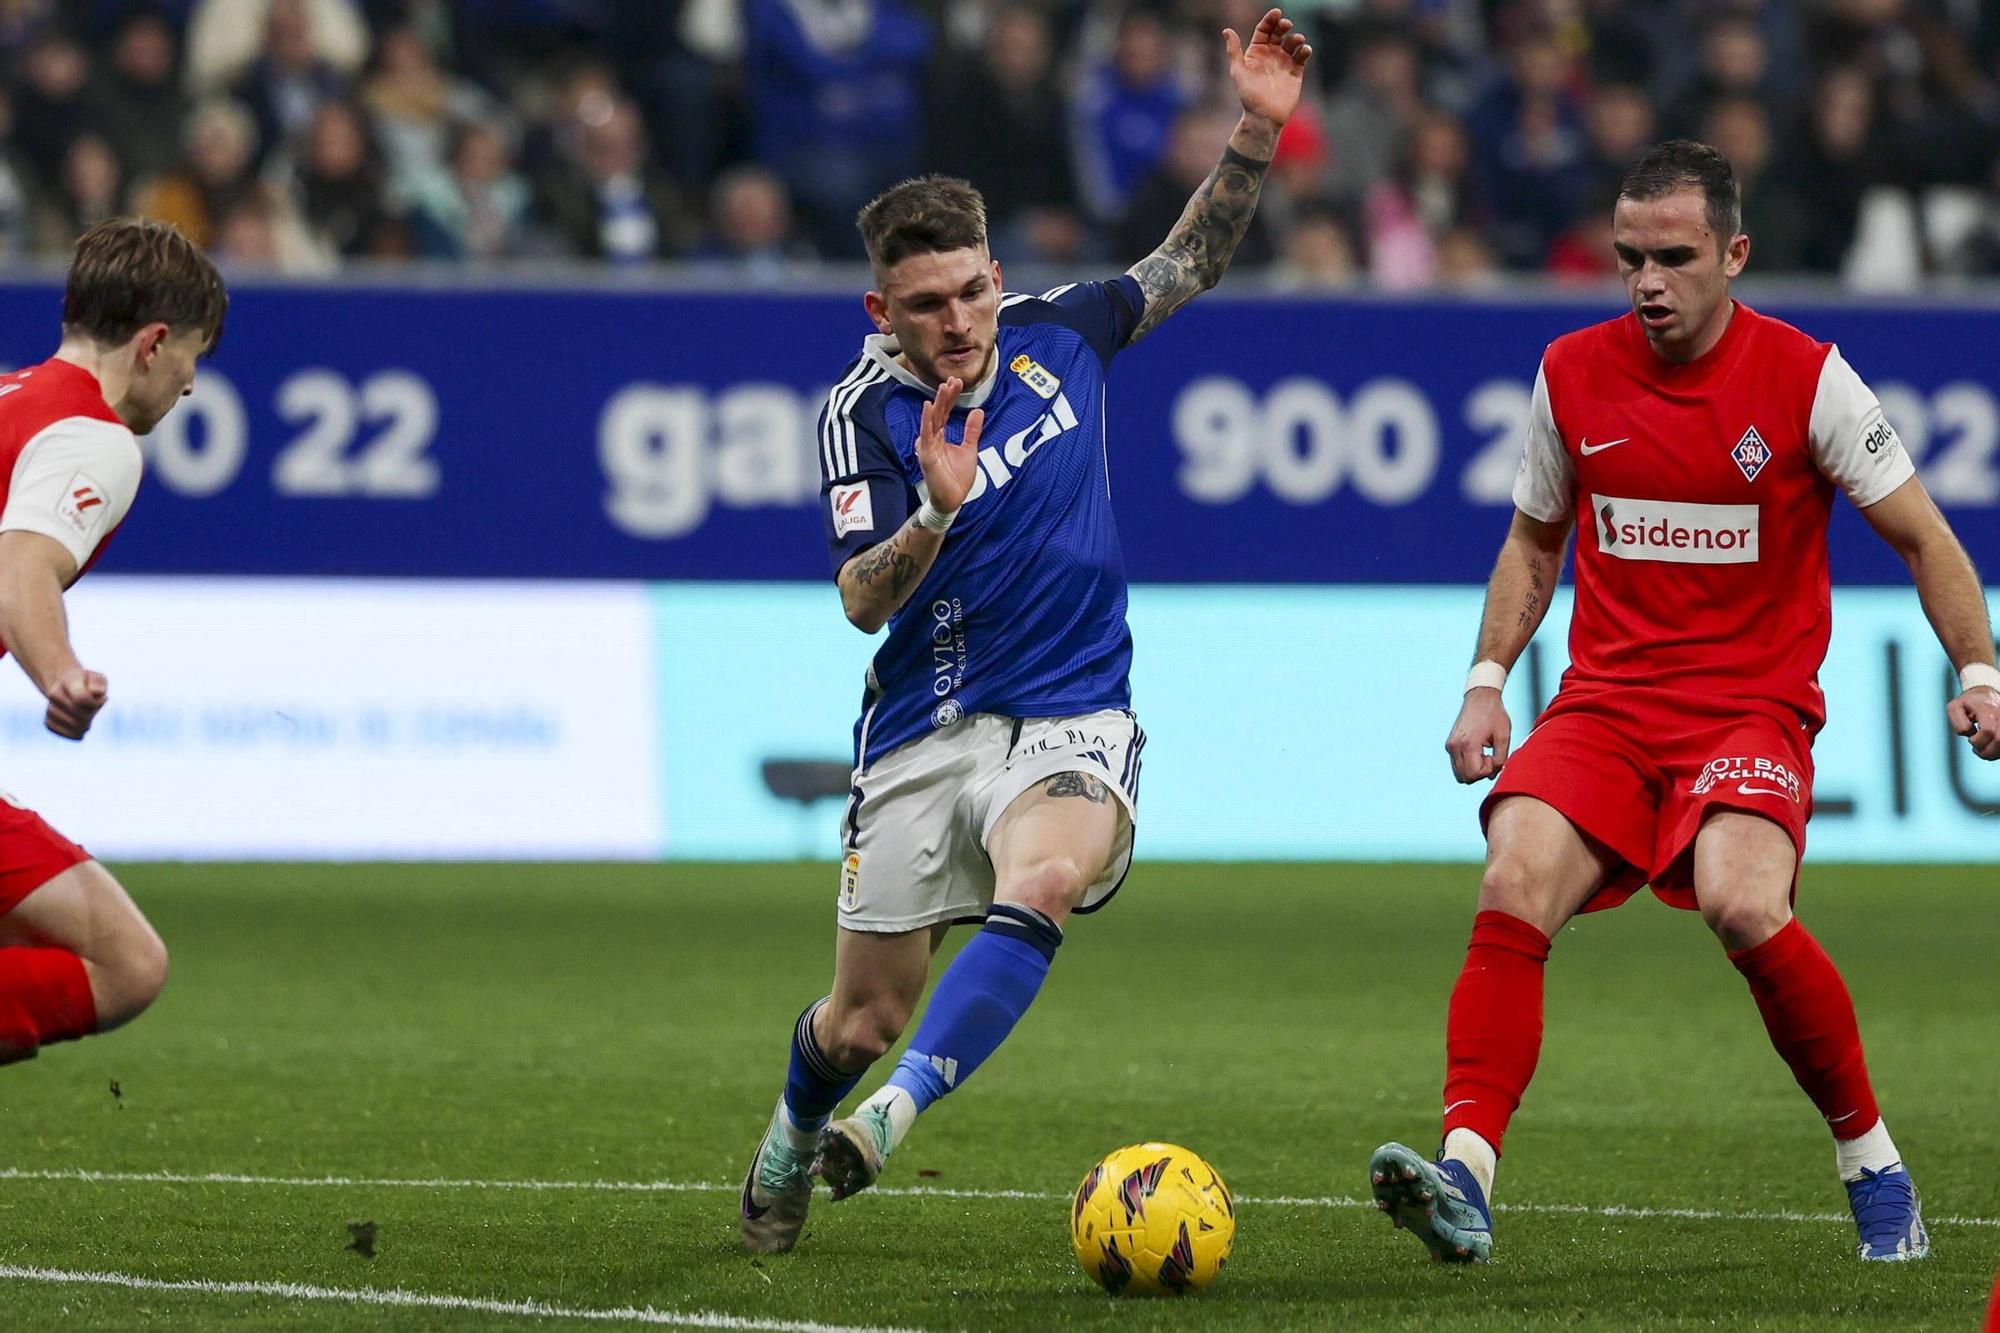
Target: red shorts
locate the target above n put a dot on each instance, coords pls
(31, 853)
(1639, 770)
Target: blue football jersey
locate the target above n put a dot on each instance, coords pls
(1023, 612)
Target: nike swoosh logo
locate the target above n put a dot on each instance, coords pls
(1455, 1105)
(1749, 790)
(1587, 448)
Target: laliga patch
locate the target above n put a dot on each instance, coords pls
(1034, 375)
(850, 881)
(1751, 453)
(83, 505)
(853, 508)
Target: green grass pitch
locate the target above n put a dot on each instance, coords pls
(469, 1026)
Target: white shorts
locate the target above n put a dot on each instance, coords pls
(914, 835)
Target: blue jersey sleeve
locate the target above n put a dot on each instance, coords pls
(1105, 313)
(864, 495)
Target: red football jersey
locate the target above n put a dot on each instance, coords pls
(1701, 494)
(69, 468)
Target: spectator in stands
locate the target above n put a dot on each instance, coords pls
(339, 184)
(20, 196)
(261, 232)
(1734, 63)
(480, 208)
(1582, 255)
(998, 121)
(679, 59)
(1199, 137)
(137, 96)
(1316, 253)
(287, 83)
(835, 96)
(93, 184)
(414, 105)
(1528, 137)
(752, 235)
(50, 109)
(1430, 196)
(1125, 114)
(606, 203)
(1369, 119)
(1740, 129)
(225, 38)
(1465, 262)
(1840, 159)
(1621, 125)
(216, 166)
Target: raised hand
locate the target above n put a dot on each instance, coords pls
(1975, 715)
(1482, 725)
(949, 469)
(1269, 73)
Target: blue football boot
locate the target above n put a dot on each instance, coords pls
(1888, 1215)
(1439, 1202)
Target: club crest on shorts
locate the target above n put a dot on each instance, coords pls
(850, 880)
(1751, 453)
(1034, 375)
(946, 713)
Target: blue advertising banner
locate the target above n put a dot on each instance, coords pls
(663, 434)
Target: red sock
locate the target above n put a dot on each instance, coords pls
(1810, 1017)
(44, 997)
(1493, 1032)
(1992, 1324)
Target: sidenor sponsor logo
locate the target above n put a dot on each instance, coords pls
(1676, 532)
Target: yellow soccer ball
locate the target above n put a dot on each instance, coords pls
(1152, 1218)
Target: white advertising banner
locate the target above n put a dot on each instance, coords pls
(315, 718)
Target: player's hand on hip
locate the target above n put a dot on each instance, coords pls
(1478, 741)
(74, 700)
(949, 468)
(1269, 73)
(1975, 715)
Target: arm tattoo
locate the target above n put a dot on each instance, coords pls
(1531, 606)
(1192, 258)
(887, 564)
(1078, 784)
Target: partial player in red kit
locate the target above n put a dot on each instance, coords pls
(141, 307)
(1695, 446)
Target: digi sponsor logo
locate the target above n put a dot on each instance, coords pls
(1751, 454)
(853, 508)
(1675, 532)
(1752, 774)
(82, 505)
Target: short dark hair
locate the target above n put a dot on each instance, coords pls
(131, 272)
(926, 215)
(1682, 164)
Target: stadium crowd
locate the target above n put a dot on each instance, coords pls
(1443, 142)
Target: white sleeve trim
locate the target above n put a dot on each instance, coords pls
(1545, 486)
(74, 482)
(1852, 442)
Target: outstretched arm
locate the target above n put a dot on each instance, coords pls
(1268, 74)
(1948, 586)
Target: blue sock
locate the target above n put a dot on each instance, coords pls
(978, 1000)
(814, 1087)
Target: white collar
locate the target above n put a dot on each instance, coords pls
(882, 349)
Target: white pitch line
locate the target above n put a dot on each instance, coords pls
(398, 1298)
(1612, 1210)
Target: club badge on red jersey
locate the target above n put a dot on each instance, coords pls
(1751, 453)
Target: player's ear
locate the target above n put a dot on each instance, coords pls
(877, 307)
(1736, 256)
(147, 341)
(996, 277)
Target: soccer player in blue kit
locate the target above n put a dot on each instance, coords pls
(997, 757)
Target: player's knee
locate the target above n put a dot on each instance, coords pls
(1052, 886)
(861, 1038)
(1513, 886)
(128, 976)
(1744, 921)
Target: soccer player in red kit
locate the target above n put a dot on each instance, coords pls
(141, 306)
(1696, 446)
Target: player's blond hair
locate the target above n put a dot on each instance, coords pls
(927, 215)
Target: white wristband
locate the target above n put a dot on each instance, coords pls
(1487, 675)
(937, 520)
(1979, 673)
